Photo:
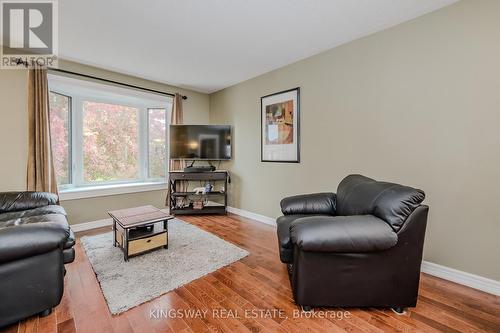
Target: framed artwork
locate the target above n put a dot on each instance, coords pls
(280, 140)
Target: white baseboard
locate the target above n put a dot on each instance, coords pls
(91, 225)
(467, 279)
(447, 273)
(253, 216)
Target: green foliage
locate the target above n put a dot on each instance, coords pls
(110, 142)
(59, 130)
(157, 143)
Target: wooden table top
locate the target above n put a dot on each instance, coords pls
(138, 216)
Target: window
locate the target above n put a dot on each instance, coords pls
(157, 152)
(60, 128)
(106, 136)
(110, 142)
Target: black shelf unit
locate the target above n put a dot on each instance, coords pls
(212, 177)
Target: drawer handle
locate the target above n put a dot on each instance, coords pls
(149, 240)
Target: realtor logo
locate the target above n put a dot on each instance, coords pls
(29, 32)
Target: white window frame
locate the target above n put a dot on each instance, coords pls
(80, 91)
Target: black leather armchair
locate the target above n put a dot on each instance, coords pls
(35, 243)
(361, 247)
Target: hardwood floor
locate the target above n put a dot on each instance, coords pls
(259, 285)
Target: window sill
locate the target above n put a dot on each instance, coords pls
(106, 190)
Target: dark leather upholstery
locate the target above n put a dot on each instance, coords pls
(362, 233)
(16, 201)
(30, 285)
(286, 247)
(17, 215)
(317, 203)
(35, 242)
(367, 255)
(68, 255)
(29, 240)
(360, 195)
(387, 278)
(68, 250)
(70, 241)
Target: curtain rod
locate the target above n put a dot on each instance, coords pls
(111, 81)
(19, 61)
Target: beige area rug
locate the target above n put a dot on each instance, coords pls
(191, 254)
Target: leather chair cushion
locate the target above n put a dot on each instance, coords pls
(68, 255)
(283, 225)
(16, 201)
(53, 214)
(70, 241)
(284, 241)
(360, 195)
(55, 218)
(31, 239)
(342, 234)
(316, 203)
(50, 209)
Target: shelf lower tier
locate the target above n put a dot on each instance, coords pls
(204, 210)
(186, 194)
(145, 232)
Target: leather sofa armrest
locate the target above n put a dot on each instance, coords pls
(17, 201)
(316, 203)
(28, 240)
(342, 234)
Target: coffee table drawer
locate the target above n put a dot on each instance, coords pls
(146, 244)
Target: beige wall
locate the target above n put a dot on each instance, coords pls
(13, 129)
(417, 104)
(91, 209)
(13, 136)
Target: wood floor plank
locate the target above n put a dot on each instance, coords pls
(347, 324)
(456, 305)
(29, 325)
(256, 288)
(377, 325)
(486, 324)
(161, 322)
(406, 318)
(251, 324)
(439, 315)
(121, 324)
(213, 324)
(435, 324)
(67, 326)
(195, 324)
(48, 324)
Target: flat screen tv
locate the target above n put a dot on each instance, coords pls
(200, 142)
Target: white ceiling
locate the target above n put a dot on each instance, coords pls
(207, 45)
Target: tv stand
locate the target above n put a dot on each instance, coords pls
(200, 168)
(217, 178)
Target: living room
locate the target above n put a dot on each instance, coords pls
(264, 166)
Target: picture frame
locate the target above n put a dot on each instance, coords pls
(280, 126)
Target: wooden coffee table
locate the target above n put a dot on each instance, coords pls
(140, 229)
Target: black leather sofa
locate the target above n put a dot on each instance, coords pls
(35, 243)
(360, 247)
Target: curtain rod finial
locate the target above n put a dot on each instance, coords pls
(184, 97)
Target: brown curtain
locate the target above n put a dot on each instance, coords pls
(177, 119)
(41, 174)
